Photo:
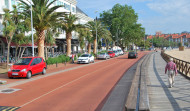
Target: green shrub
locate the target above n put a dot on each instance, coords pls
(93, 54)
(79, 54)
(67, 58)
(49, 61)
(59, 59)
(62, 58)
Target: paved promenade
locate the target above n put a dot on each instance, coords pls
(161, 97)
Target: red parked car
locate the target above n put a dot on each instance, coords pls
(111, 53)
(27, 66)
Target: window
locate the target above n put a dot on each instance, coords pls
(39, 60)
(7, 3)
(13, 2)
(67, 7)
(34, 62)
(73, 9)
(23, 61)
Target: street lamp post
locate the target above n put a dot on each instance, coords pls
(32, 29)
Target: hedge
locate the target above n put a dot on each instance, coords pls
(59, 59)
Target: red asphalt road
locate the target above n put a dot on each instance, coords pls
(81, 89)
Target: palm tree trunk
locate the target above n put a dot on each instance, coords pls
(95, 46)
(22, 52)
(46, 53)
(41, 44)
(68, 37)
(19, 52)
(89, 48)
(8, 50)
(16, 53)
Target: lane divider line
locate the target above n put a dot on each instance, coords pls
(64, 85)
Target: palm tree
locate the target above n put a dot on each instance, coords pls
(8, 30)
(82, 36)
(23, 25)
(89, 38)
(24, 42)
(95, 26)
(44, 17)
(68, 25)
(107, 37)
(49, 39)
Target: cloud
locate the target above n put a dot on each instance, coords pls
(139, 0)
(173, 16)
(171, 7)
(168, 16)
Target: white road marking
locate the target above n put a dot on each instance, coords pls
(64, 85)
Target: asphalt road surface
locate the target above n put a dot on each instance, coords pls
(82, 89)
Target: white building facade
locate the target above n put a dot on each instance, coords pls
(69, 6)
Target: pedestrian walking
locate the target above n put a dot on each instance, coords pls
(171, 69)
(73, 58)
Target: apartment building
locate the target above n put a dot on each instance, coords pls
(182, 37)
(60, 46)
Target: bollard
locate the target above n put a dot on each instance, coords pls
(56, 64)
(65, 63)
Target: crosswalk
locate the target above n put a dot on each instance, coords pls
(8, 108)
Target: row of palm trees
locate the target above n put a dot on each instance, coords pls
(46, 21)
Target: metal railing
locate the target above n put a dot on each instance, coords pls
(182, 66)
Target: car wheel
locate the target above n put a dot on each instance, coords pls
(44, 71)
(29, 75)
(10, 77)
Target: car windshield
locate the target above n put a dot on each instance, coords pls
(23, 61)
(85, 55)
(110, 52)
(102, 53)
(131, 52)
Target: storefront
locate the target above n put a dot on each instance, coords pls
(2, 47)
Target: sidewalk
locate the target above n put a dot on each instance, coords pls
(161, 97)
(50, 69)
(3, 68)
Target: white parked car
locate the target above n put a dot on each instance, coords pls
(120, 52)
(85, 58)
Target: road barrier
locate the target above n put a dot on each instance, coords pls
(182, 66)
(138, 99)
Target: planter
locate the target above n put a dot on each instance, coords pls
(181, 48)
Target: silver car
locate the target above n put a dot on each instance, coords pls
(116, 53)
(103, 56)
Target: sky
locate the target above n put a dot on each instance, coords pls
(167, 16)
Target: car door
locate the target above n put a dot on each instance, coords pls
(34, 66)
(90, 57)
(40, 65)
